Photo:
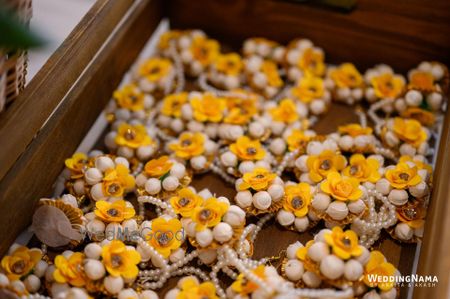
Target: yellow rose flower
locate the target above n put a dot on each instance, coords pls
(208, 108)
(248, 149)
(185, 202)
(238, 116)
(70, 270)
(320, 165)
(302, 252)
(378, 266)
(297, 199)
(259, 179)
(387, 85)
(269, 68)
(132, 136)
(308, 89)
(117, 180)
(412, 213)
(166, 235)
(154, 69)
(312, 62)
(410, 131)
(244, 286)
(209, 213)
(129, 97)
(297, 139)
(344, 244)
(425, 117)
(230, 64)
(341, 188)
(191, 289)
(286, 112)
(362, 169)
(422, 81)
(346, 75)
(156, 168)
(204, 50)
(419, 164)
(167, 37)
(21, 261)
(172, 104)
(76, 164)
(355, 130)
(120, 260)
(403, 176)
(117, 211)
(189, 145)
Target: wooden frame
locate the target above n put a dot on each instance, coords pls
(60, 104)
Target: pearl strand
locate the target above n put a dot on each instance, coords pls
(163, 136)
(373, 115)
(290, 292)
(159, 203)
(165, 273)
(138, 169)
(203, 83)
(179, 69)
(217, 170)
(190, 270)
(213, 274)
(362, 117)
(288, 157)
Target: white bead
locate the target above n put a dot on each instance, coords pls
(127, 294)
(246, 166)
(285, 218)
(170, 183)
(419, 190)
(97, 192)
(78, 187)
(260, 80)
(198, 163)
(343, 93)
(39, 269)
(210, 146)
(294, 269)
(346, 142)
(32, 283)
(321, 201)
(228, 159)
(301, 224)
(311, 279)
(318, 251)
(383, 186)
(434, 100)
(204, 237)
(300, 163)
(56, 289)
(177, 255)
(235, 216)
(407, 149)
(144, 152)
(205, 193)
(337, 210)
(94, 269)
(413, 98)
(93, 251)
(49, 273)
(126, 152)
(172, 294)
(277, 146)
(362, 141)
(145, 254)
(244, 198)
(148, 294)
(398, 197)
(314, 148)
(222, 232)
(364, 257)
(103, 163)
(391, 139)
(403, 231)
(93, 176)
(437, 71)
(178, 170)
(256, 129)
(130, 225)
(356, 207)
(353, 270)
(207, 256)
(371, 295)
(400, 105)
(332, 267)
(317, 107)
(153, 186)
(391, 294)
(110, 140)
(113, 284)
(262, 200)
(291, 251)
(95, 226)
(276, 192)
(195, 126)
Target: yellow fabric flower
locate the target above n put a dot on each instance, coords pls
(320, 165)
(117, 180)
(362, 169)
(425, 117)
(286, 112)
(166, 235)
(308, 89)
(167, 37)
(413, 214)
(185, 202)
(172, 104)
(341, 188)
(76, 164)
(422, 81)
(70, 270)
(269, 68)
(238, 116)
(189, 145)
(191, 289)
(387, 85)
(248, 149)
(419, 164)
(344, 244)
(132, 136)
(346, 75)
(297, 139)
(129, 97)
(378, 266)
(156, 168)
(403, 176)
(244, 286)
(208, 108)
(120, 260)
(259, 179)
(204, 50)
(154, 69)
(21, 261)
(117, 211)
(297, 199)
(209, 213)
(312, 62)
(302, 252)
(410, 131)
(230, 64)
(355, 130)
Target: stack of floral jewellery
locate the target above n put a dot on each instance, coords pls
(133, 217)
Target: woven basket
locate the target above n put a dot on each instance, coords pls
(13, 64)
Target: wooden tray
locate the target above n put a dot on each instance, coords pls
(63, 100)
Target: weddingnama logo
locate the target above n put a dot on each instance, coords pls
(416, 281)
(125, 234)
